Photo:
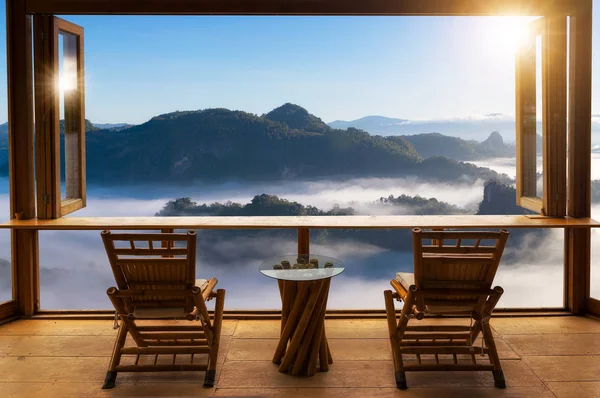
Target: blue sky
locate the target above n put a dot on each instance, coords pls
(336, 67)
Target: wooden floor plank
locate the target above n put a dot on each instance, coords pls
(565, 368)
(542, 325)
(69, 346)
(58, 346)
(34, 327)
(264, 374)
(339, 328)
(341, 349)
(48, 358)
(555, 344)
(418, 392)
(86, 389)
(575, 389)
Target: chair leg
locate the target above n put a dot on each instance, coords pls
(499, 381)
(111, 374)
(209, 378)
(401, 380)
(394, 340)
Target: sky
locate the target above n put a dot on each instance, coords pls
(336, 67)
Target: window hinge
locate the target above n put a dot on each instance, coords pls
(46, 198)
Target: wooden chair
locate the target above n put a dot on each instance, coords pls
(155, 275)
(450, 278)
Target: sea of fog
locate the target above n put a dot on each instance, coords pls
(74, 271)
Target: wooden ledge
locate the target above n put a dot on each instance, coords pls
(347, 222)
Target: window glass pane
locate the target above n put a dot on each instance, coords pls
(263, 135)
(539, 116)
(5, 245)
(70, 116)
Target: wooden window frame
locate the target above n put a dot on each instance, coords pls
(51, 205)
(553, 202)
(20, 103)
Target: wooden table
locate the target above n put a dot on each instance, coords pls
(304, 292)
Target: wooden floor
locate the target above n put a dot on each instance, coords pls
(542, 357)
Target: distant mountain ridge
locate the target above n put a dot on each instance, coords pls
(436, 144)
(467, 129)
(285, 143)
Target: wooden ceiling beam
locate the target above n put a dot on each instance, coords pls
(302, 7)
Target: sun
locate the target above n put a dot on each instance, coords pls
(506, 35)
(67, 82)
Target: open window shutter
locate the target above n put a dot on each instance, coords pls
(60, 130)
(552, 201)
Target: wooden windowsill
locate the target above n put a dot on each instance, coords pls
(349, 222)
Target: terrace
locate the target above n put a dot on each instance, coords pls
(65, 353)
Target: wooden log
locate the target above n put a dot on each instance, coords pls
(315, 290)
(311, 340)
(289, 292)
(316, 345)
(292, 320)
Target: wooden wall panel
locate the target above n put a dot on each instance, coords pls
(21, 152)
(554, 114)
(577, 243)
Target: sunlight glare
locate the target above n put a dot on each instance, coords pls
(67, 82)
(504, 36)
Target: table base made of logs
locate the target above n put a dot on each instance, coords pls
(303, 344)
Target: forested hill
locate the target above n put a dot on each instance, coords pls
(435, 144)
(286, 143)
(272, 205)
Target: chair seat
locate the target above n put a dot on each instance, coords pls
(166, 312)
(406, 279)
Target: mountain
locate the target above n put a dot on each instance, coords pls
(288, 142)
(112, 126)
(468, 129)
(297, 118)
(372, 124)
(436, 144)
(499, 199)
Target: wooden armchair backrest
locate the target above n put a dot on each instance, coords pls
(455, 262)
(153, 261)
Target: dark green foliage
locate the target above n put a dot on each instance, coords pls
(500, 199)
(422, 206)
(261, 205)
(296, 117)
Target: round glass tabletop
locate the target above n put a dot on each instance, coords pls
(294, 267)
